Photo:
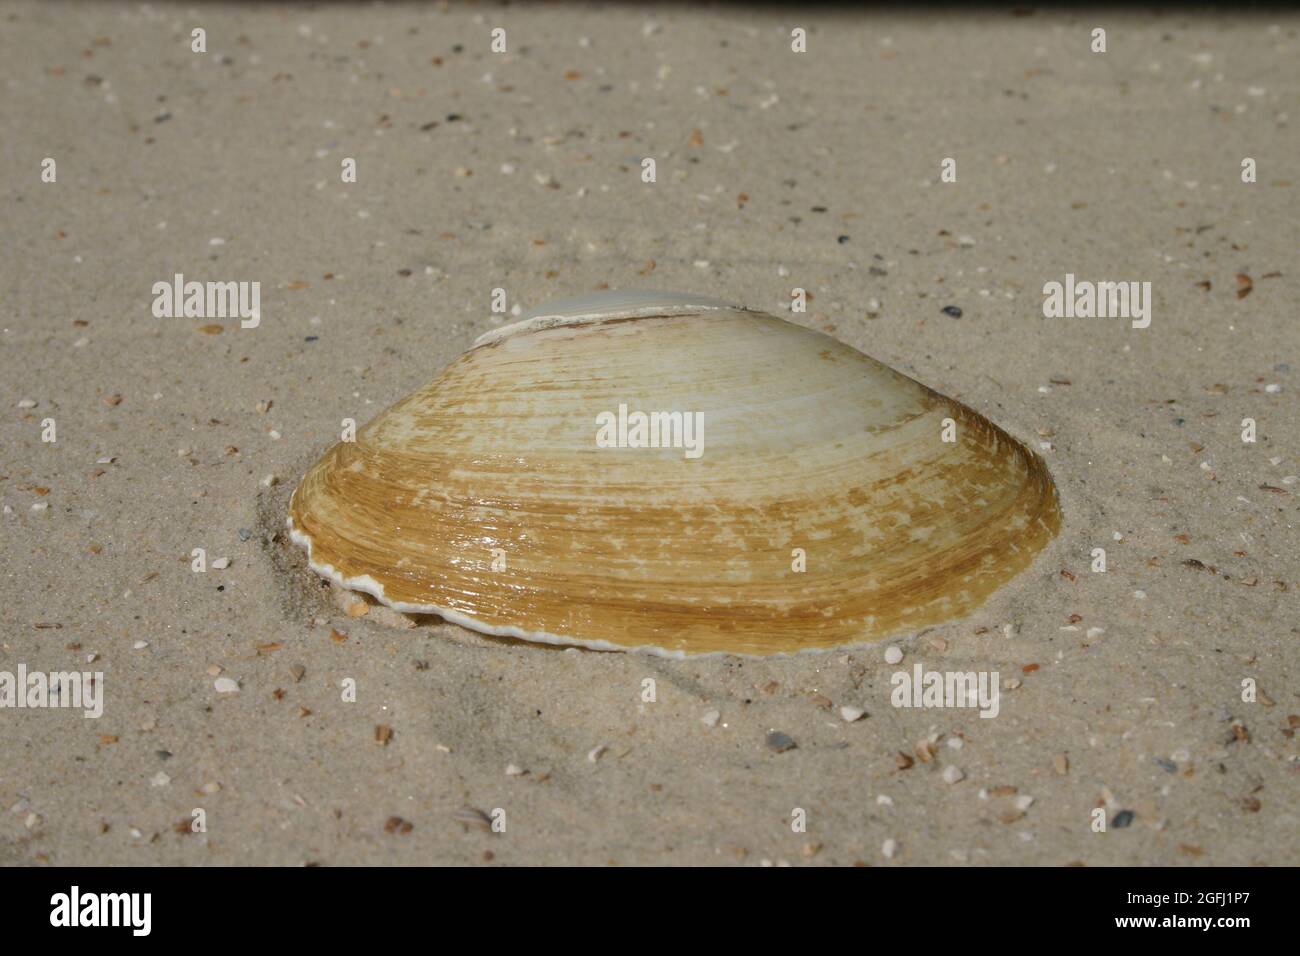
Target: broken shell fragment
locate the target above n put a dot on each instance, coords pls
(664, 472)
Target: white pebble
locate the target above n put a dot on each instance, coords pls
(953, 774)
(893, 655)
(514, 770)
(27, 403)
(595, 753)
(41, 507)
(851, 714)
(221, 564)
(226, 685)
(140, 645)
(884, 800)
(160, 779)
(889, 848)
(710, 718)
(1024, 802)
(955, 743)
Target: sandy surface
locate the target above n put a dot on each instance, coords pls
(522, 171)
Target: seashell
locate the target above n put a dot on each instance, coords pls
(795, 493)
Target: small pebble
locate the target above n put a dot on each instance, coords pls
(514, 770)
(953, 774)
(893, 655)
(850, 714)
(160, 779)
(595, 753)
(1122, 819)
(710, 718)
(951, 311)
(889, 848)
(779, 743)
(226, 685)
(220, 564)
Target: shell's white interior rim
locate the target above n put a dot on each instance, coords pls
(614, 304)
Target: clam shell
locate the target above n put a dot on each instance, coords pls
(484, 496)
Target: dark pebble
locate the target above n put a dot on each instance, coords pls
(162, 117)
(312, 338)
(164, 754)
(244, 534)
(952, 310)
(1167, 765)
(841, 239)
(779, 743)
(1122, 819)
(877, 271)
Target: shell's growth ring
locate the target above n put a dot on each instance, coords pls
(646, 470)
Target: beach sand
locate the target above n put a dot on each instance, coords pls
(1122, 691)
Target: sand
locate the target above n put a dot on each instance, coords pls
(1122, 691)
